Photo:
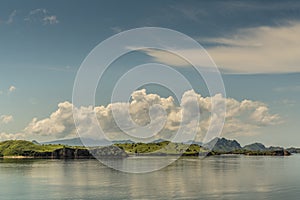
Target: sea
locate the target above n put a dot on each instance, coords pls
(215, 177)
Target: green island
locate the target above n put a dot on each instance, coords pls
(26, 149)
(218, 146)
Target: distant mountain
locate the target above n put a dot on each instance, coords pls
(78, 142)
(187, 142)
(35, 142)
(123, 142)
(293, 150)
(255, 147)
(193, 142)
(159, 141)
(271, 148)
(222, 145)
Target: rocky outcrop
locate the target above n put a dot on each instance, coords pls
(82, 154)
(73, 153)
(222, 145)
(109, 151)
(64, 153)
(278, 152)
(46, 155)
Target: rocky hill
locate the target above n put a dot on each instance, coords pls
(21, 148)
(255, 147)
(222, 145)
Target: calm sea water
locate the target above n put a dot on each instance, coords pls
(222, 177)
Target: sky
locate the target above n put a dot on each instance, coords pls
(255, 45)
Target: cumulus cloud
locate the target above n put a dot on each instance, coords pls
(50, 19)
(242, 118)
(5, 119)
(11, 89)
(60, 124)
(41, 15)
(11, 136)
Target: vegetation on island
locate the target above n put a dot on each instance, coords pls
(19, 147)
(22, 148)
(217, 146)
(162, 148)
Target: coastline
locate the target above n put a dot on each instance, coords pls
(21, 149)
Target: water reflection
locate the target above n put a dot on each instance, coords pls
(227, 177)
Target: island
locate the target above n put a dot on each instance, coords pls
(26, 149)
(218, 146)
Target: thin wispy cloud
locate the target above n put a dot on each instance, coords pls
(50, 19)
(42, 16)
(293, 88)
(180, 58)
(5, 119)
(262, 49)
(58, 69)
(116, 29)
(189, 12)
(11, 17)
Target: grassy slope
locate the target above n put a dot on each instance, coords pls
(17, 147)
(161, 148)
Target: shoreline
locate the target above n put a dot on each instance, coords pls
(145, 155)
(17, 157)
(21, 149)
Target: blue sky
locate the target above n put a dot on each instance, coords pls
(255, 44)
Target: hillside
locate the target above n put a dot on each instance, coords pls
(162, 148)
(18, 147)
(293, 150)
(223, 145)
(255, 147)
(22, 148)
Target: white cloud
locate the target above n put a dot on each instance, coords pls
(242, 118)
(250, 50)
(11, 17)
(60, 124)
(259, 50)
(11, 89)
(167, 57)
(41, 15)
(116, 29)
(193, 13)
(11, 136)
(177, 60)
(5, 119)
(50, 19)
